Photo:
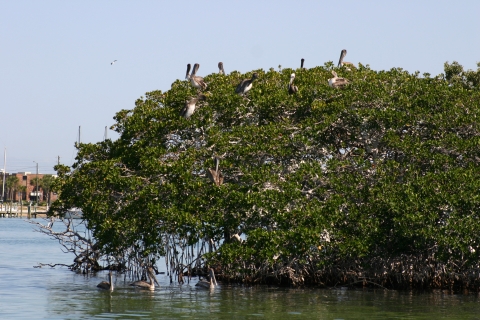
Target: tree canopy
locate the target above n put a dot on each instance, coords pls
(385, 169)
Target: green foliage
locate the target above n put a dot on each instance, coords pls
(12, 183)
(386, 166)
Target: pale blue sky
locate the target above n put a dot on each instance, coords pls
(55, 72)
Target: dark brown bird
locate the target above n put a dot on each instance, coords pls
(344, 63)
(245, 85)
(220, 68)
(187, 76)
(191, 105)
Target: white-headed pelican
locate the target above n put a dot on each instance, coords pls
(147, 285)
(291, 88)
(107, 285)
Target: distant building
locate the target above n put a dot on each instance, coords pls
(24, 179)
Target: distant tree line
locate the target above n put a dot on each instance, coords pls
(13, 185)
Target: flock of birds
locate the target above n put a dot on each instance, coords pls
(150, 285)
(246, 84)
(242, 88)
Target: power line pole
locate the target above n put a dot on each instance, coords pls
(4, 168)
(36, 185)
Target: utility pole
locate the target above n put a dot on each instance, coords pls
(36, 185)
(4, 168)
(58, 160)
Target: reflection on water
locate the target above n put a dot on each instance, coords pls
(31, 293)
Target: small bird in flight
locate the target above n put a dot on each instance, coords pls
(113, 62)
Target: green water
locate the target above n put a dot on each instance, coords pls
(46, 293)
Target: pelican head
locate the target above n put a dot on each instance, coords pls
(342, 55)
(291, 88)
(213, 280)
(187, 76)
(195, 69)
(220, 68)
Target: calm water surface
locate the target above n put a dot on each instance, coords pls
(46, 293)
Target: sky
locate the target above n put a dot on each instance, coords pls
(55, 56)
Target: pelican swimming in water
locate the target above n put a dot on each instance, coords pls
(301, 63)
(197, 81)
(187, 75)
(337, 82)
(191, 105)
(220, 68)
(208, 284)
(246, 84)
(291, 88)
(147, 285)
(344, 63)
(107, 285)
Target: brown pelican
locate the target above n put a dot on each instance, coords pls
(246, 84)
(190, 106)
(187, 75)
(147, 285)
(197, 81)
(220, 68)
(208, 284)
(301, 63)
(106, 285)
(236, 238)
(343, 63)
(337, 82)
(291, 88)
(214, 174)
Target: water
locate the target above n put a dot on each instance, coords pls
(57, 293)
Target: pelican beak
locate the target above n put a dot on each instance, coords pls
(155, 279)
(212, 274)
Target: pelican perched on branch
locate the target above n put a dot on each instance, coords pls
(208, 284)
(191, 105)
(220, 68)
(147, 285)
(291, 88)
(246, 84)
(107, 285)
(197, 81)
(187, 75)
(214, 174)
(337, 82)
(344, 63)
